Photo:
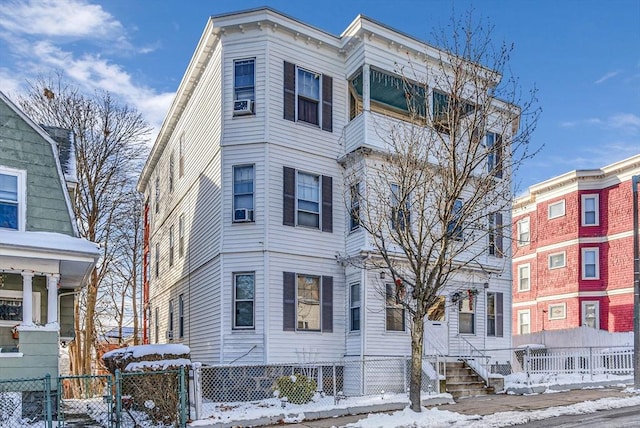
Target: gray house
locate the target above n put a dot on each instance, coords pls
(43, 261)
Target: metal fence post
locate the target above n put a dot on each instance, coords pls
(335, 392)
(59, 395)
(195, 389)
(183, 401)
(118, 398)
(47, 400)
(404, 373)
(590, 362)
(527, 361)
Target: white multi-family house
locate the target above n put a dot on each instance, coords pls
(246, 226)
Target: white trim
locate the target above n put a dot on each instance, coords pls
(320, 100)
(597, 313)
(562, 305)
(564, 260)
(564, 209)
(604, 293)
(520, 313)
(520, 242)
(526, 266)
(16, 294)
(21, 176)
(583, 199)
(583, 252)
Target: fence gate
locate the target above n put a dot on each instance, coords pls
(151, 398)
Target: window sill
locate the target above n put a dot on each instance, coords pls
(11, 355)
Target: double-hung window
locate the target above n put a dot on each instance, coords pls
(156, 326)
(244, 79)
(157, 195)
(171, 172)
(12, 199)
(308, 200)
(454, 227)
(181, 315)
(171, 246)
(243, 300)
(395, 312)
(496, 248)
(495, 317)
(524, 277)
(181, 235)
(590, 263)
(466, 315)
(590, 211)
(524, 235)
(400, 208)
(524, 322)
(493, 143)
(354, 212)
(170, 329)
(354, 307)
(243, 190)
(11, 305)
(157, 261)
(308, 97)
(307, 302)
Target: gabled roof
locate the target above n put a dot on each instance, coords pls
(54, 149)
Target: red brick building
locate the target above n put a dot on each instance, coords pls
(573, 251)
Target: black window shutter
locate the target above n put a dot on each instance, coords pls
(499, 315)
(289, 91)
(289, 197)
(498, 236)
(498, 154)
(327, 303)
(327, 204)
(289, 301)
(327, 103)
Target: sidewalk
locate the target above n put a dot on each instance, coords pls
(486, 405)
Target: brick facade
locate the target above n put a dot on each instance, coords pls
(580, 262)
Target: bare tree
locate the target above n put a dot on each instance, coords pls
(436, 200)
(109, 145)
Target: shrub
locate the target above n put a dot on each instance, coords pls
(297, 388)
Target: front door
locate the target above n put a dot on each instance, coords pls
(436, 331)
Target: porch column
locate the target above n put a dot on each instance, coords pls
(52, 298)
(27, 298)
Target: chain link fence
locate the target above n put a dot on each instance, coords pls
(26, 402)
(224, 391)
(126, 400)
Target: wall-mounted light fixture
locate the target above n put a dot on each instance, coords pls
(382, 275)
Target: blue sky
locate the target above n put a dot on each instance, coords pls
(582, 55)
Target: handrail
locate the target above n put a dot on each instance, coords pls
(472, 359)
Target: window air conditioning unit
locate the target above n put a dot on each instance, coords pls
(241, 107)
(242, 215)
(169, 334)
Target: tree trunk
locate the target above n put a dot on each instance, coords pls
(417, 344)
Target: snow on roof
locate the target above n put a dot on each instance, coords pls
(139, 351)
(48, 241)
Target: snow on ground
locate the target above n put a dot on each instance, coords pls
(429, 418)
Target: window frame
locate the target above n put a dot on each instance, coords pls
(18, 296)
(455, 228)
(554, 204)
(171, 172)
(522, 242)
(596, 263)
(564, 260)
(298, 96)
(496, 244)
(583, 317)
(171, 245)
(520, 323)
(157, 324)
(551, 315)
(496, 318)
(527, 267)
(157, 194)
(170, 325)
(252, 87)
(471, 310)
(236, 300)
(157, 260)
(317, 177)
(181, 316)
(596, 211)
(391, 303)
(181, 235)
(400, 216)
(354, 307)
(21, 197)
(354, 209)
(318, 279)
(494, 154)
(181, 155)
(240, 194)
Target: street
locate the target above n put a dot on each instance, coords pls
(614, 418)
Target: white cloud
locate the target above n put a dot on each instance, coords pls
(59, 18)
(607, 76)
(627, 122)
